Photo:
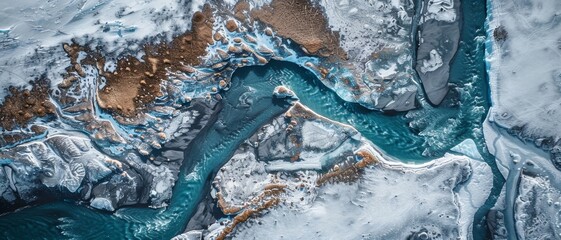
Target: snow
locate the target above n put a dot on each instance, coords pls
(387, 72)
(376, 37)
(433, 63)
(474, 194)
(532, 183)
(317, 135)
(441, 10)
(191, 235)
(525, 69)
(102, 203)
(369, 26)
(28, 26)
(537, 209)
(386, 200)
(389, 202)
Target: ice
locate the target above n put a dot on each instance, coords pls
(473, 194)
(441, 10)
(524, 56)
(102, 203)
(439, 34)
(191, 235)
(376, 37)
(468, 148)
(433, 63)
(62, 162)
(370, 26)
(532, 184)
(537, 209)
(317, 135)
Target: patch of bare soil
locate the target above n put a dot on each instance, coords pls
(304, 23)
(135, 84)
(22, 105)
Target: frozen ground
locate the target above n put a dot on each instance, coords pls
(381, 200)
(31, 29)
(525, 73)
(377, 37)
(524, 59)
(530, 202)
(292, 156)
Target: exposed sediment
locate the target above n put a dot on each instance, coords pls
(21, 106)
(70, 167)
(135, 83)
(152, 97)
(305, 23)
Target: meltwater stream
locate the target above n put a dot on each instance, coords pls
(434, 131)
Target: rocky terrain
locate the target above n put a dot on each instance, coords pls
(69, 165)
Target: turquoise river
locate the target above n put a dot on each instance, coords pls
(418, 136)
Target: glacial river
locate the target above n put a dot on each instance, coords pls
(433, 131)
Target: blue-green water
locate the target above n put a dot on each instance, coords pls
(211, 148)
(435, 131)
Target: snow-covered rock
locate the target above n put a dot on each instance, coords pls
(523, 55)
(29, 30)
(60, 162)
(377, 38)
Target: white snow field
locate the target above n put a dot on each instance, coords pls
(525, 67)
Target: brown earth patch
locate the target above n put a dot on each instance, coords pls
(267, 199)
(135, 83)
(241, 9)
(231, 25)
(20, 136)
(22, 105)
(304, 23)
(348, 172)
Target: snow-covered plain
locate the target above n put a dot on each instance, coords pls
(530, 201)
(444, 209)
(525, 68)
(31, 32)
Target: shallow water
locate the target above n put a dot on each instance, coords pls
(435, 131)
